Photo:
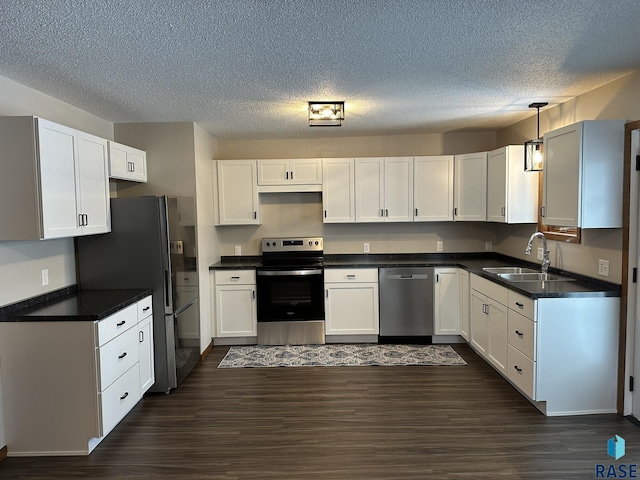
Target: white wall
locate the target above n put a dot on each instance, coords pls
(616, 100)
(22, 262)
(179, 163)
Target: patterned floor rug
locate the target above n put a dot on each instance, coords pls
(335, 355)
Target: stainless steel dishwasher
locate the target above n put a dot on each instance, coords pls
(406, 304)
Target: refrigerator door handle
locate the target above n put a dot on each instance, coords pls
(184, 307)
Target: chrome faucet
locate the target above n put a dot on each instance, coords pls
(544, 268)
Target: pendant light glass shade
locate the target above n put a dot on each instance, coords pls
(534, 149)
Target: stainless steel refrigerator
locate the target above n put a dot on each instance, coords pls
(152, 244)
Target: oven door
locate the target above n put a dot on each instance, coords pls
(290, 295)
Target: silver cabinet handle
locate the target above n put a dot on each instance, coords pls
(502, 211)
(140, 336)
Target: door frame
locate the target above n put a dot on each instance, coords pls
(627, 348)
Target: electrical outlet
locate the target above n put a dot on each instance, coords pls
(439, 246)
(366, 248)
(45, 277)
(237, 250)
(540, 253)
(603, 267)
(488, 245)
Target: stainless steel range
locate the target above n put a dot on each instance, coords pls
(290, 286)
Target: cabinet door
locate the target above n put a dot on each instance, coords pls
(127, 163)
(145, 354)
(470, 192)
(238, 192)
(58, 157)
(236, 313)
(433, 188)
(370, 190)
(562, 176)
(338, 193)
(497, 186)
(351, 309)
(447, 301)
(93, 184)
(497, 351)
(305, 171)
(398, 189)
(479, 323)
(273, 172)
(464, 304)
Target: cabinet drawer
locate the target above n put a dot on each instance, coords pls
(120, 398)
(117, 356)
(186, 278)
(521, 371)
(339, 275)
(522, 334)
(492, 290)
(145, 308)
(522, 304)
(115, 324)
(235, 277)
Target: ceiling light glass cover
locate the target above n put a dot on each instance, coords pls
(533, 149)
(326, 114)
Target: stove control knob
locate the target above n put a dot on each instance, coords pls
(268, 244)
(310, 243)
(316, 243)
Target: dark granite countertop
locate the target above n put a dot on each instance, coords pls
(72, 305)
(473, 262)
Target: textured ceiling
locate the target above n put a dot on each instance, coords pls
(246, 68)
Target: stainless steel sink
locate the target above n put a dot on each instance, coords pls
(502, 270)
(534, 277)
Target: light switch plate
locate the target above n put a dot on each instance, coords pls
(540, 253)
(237, 250)
(439, 246)
(366, 248)
(45, 277)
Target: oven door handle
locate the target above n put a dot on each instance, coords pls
(282, 273)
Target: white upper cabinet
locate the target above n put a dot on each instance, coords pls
(384, 189)
(338, 187)
(470, 192)
(56, 179)
(512, 193)
(238, 202)
(433, 188)
(127, 163)
(583, 175)
(290, 172)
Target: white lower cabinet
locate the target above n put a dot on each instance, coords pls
(235, 303)
(447, 306)
(351, 302)
(67, 384)
(561, 353)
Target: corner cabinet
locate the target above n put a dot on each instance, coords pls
(127, 163)
(67, 384)
(338, 190)
(470, 191)
(512, 193)
(238, 202)
(56, 178)
(235, 303)
(583, 175)
(351, 302)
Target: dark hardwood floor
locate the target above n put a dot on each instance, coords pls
(342, 423)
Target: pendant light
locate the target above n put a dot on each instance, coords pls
(326, 114)
(533, 148)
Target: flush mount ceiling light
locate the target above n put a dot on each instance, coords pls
(533, 148)
(326, 114)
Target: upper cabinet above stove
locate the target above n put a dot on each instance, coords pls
(290, 175)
